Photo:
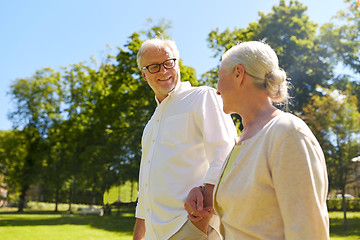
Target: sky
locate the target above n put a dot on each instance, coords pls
(38, 34)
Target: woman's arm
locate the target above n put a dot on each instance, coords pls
(199, 205)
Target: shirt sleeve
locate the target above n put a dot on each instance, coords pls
(300, 181)
(139, 211)
(219, 134)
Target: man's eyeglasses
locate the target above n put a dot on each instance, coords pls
(154, 68)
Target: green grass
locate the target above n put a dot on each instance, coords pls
(337, 231)
(36, 225)
(39, 225)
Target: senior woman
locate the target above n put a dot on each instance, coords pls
(274, 182)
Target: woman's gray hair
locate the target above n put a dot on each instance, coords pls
(158, 43)
(262, 64)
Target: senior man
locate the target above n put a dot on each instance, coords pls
(184, 145)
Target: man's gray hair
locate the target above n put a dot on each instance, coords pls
(158, 43)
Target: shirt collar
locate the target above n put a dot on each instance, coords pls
(180, 85)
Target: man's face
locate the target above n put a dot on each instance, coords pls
(165, 80)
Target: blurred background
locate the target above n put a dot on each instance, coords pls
(74, 105)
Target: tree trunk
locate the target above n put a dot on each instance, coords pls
(56, 199)
(21, 205)
(344, 210)
(71, 193)
(93, 197)
(70, 198)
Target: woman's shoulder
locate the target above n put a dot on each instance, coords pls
(288, 123)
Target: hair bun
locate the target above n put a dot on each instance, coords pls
(278, 76)
(276, 85)
(269, 76)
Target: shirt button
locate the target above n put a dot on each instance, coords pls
(146, 185)
(153, 140)
(148, 210)
(158, 120)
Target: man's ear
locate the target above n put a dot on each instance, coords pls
(144, 76)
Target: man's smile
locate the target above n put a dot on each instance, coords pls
(166, 79)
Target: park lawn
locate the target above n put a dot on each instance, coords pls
(337, 231)
(34, 225)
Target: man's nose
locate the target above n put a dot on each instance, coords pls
(163, 67)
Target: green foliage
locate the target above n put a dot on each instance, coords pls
(36, 100)
(342, 37)
(126, 193)
(80, 129)
(335, 204)
(334, 118)
(288, 30)
(13, 151)
(188, 74)
(37, 106)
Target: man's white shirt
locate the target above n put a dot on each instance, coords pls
(184, 145)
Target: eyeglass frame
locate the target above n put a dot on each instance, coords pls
(160, 64)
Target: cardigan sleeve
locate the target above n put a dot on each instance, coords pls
(300, 180)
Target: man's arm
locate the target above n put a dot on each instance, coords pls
(219, 135)
(139, 229)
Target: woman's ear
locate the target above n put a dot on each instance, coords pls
(240, 72)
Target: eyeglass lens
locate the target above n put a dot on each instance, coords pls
(154, 68)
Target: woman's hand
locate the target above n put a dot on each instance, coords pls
(194, 205)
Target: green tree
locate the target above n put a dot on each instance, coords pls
(56, 165)
(334, 118)
(82, 89)
(35, 105)
(13, 152)
(342, 37)
(288, 30)
(82, 126)
(132, 102)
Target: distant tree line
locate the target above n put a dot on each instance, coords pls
(78, 130)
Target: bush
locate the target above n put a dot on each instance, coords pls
(44, 206)
(335, 204)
